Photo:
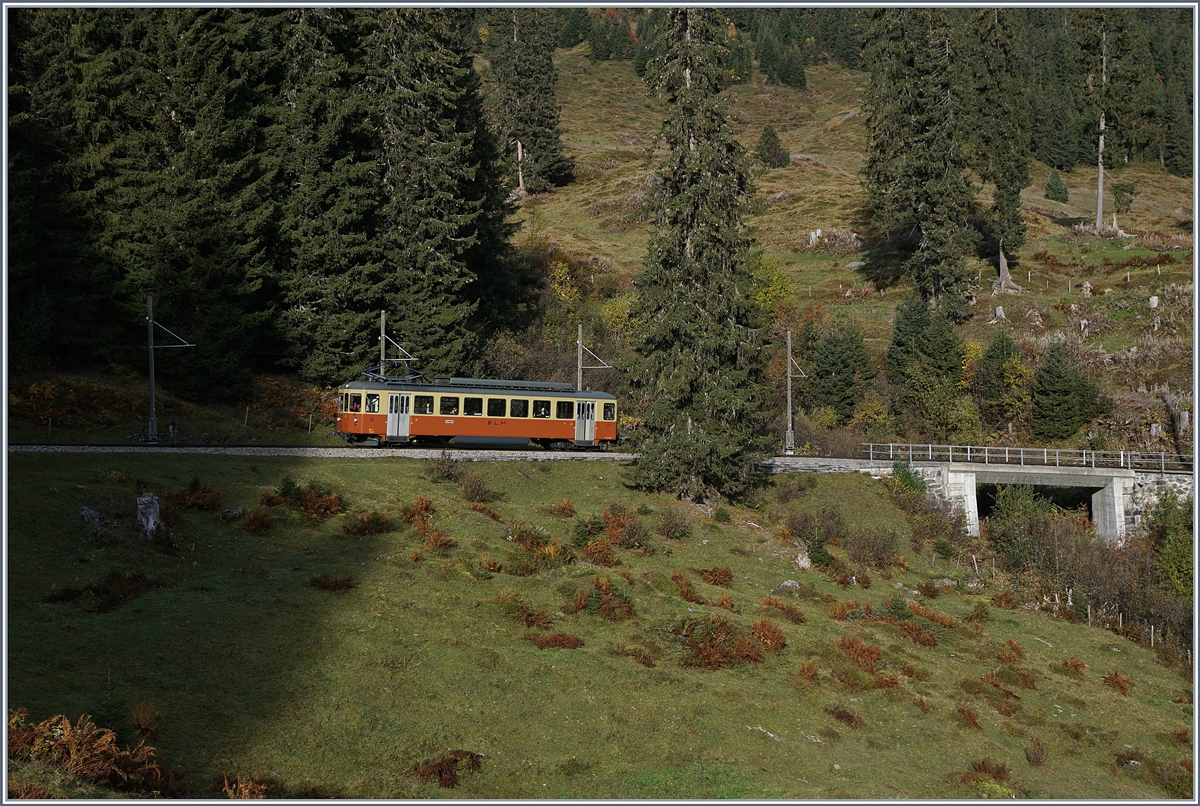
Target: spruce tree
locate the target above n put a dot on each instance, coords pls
(769, 150)
(1063, 400)
(791, 68)
(1178, 156)
(991, 388)
(916, 166)
(924, 359)
(1056, 188)
(1000, 128)
(840, 367)
(520, 45)
(697, 369)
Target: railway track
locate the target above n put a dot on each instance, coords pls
(469, 454)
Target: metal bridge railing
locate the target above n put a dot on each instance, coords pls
(1052, 457)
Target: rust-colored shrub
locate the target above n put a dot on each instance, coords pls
(603, 601)
(599, 551)
(929, 590)
(970, 716)
(417, 559)
(474, 487)
(437, 541)
(986, 768)
(1118, 682)
(272, 500)
(443, 768)
(1028, 679)
(554, 640)
(845, 715)
(338, 584)
(998, 684)
(940, 619)
(1074, 666)
(864, 656)
(625, 575)
(422, 507)
(257, 521)
(145, 721)
(1036, 753)
(319, 506)
(808, 671)
(921, 703)
(564, 508)
(243, 788)
(768, 634)
(1007, 656)
(511, 605)
(198, 494)
(489, 564)
(485, 511)
(851, 610)
(725, 603)
(887, 681)
(1004, 600)
(713, 642)
(624, 528)
(792, 613)
(981, 612)
(1005, 708)
(366, 523)
(1016, 648)
(685, 588)
(722, 576)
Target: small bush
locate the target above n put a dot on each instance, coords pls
(257, 521)
(444, 767)
(1035, 754)
(438, 541)
(511, 605)
(144, 719)
(792, 613)
(445, 468)
(338, 584)
(792, 486)
(769, 635)
(243, 788)
(601, 600)
(474, 487)
(1118, 682)
(673, 524)
(1004, 600)
(906, 478)
(486, 511)
(420, 508)
(624, 528)
(725, 603)
(554, 640)
(980, 613)
(851, 610)
(599, 552)
(864, 656)
(845, 715)
(872, 546)
(991, 769)
(367, 523)
(586, 529)
(320, 506)
(198, 494)
(564, 508)
(721, 515)
(722, 576)
(685, 588)
(712, 642)
(969, 716)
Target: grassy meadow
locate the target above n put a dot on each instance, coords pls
(253, 668)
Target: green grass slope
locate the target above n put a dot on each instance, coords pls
(254, 669)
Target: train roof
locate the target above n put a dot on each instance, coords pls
(484, 385)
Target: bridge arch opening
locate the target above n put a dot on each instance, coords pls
(1064, 497)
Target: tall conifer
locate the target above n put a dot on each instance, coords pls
(916, 166)
(698, 365)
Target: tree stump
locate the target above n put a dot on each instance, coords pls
(148, 514)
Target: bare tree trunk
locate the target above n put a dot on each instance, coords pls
(1006, 280)
(1100, 152)
(520, 171)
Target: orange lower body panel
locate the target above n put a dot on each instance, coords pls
(431, 426)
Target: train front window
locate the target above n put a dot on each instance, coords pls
(541, 408)
(355, 402)
(565, 409)
(610, 411)
(372, 404)
(423, 404)
(449, 405)
(496, 406)
(520, 408)
(473, 406)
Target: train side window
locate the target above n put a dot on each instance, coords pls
(449, 405)
(355, 402)
(496, 406)
(473, 406)
(520, 408)
(541, 408)
(610, 411)
(372, 404)
(341, 401)
(423, 404)
(565, 409)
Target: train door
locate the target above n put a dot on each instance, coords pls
(585, 423)
(397, 423)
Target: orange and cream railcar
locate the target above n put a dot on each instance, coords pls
(382, 412)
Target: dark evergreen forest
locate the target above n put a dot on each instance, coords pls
(276, 177)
